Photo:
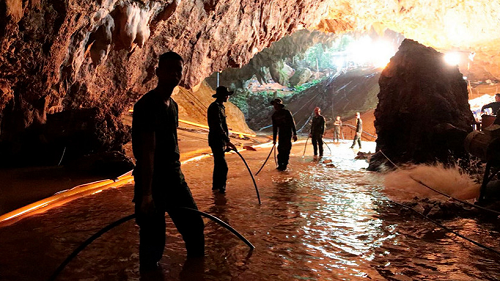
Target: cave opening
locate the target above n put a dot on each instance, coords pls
(308, 69)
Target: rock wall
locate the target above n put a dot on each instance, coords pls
(60, 55)
(423, 114)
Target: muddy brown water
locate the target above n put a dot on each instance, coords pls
(316, 222)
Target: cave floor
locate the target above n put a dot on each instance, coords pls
(322, 219)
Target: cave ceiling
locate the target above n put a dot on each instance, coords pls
(59, 54)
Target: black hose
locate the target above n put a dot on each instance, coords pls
(327, 146)
(87, 242)
(127, 218)
(219, 221)
(448, 229)
(251, 175)
(275, 161)
(305, 146)
(272, 148)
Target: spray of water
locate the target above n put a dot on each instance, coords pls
(399, 184)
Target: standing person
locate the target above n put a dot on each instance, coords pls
(218, 137)
(359, 130)
(337, 126)
(317, 131)
(159, 183)
(495, 106)
(284, 123)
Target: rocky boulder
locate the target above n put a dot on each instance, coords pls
(423, 114)
(300, 77)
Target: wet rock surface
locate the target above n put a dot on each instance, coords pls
(423, 114)
(58, 56)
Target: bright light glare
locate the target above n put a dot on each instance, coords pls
(377, 53)
(452, 58)
(339, 62)
(383, 51)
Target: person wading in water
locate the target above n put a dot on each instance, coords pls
(284, 124)
(159, 183)
(218, 137)
(317, 131)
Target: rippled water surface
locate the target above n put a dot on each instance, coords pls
(323, 219)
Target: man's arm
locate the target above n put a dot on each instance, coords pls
(322, 126)
(143, 141)
(275, 130)
(147, 167)
(292, 123)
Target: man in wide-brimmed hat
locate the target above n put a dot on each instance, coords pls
(284, 125)
(218, 137)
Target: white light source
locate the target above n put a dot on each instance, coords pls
(452, 58)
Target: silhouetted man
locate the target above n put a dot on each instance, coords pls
(284, 124)
(159, 183)
(359, 131)
(218, 137)
(495, 106)
(317, 131)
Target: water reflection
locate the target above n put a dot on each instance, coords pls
(316, 222)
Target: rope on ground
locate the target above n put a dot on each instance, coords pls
(448, 229)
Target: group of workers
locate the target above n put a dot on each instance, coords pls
(159, 183)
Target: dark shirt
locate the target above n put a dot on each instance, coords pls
(494, 107)
(218, 134)
(152, 115)
(283, 120)
(318, 125)
(359, 126)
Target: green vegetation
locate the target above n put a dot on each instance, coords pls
(308, 85)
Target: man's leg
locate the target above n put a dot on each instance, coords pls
(286, 146)
(189, 223)
(151, 238)
(280, 155)
(315, 145)
(320, 144)
(220, 169)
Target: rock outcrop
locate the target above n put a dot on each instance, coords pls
(63, 55)
(59, 55)
(423, 114)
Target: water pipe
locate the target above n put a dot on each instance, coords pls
(272, 148)
(251, 175)
(130, 217)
